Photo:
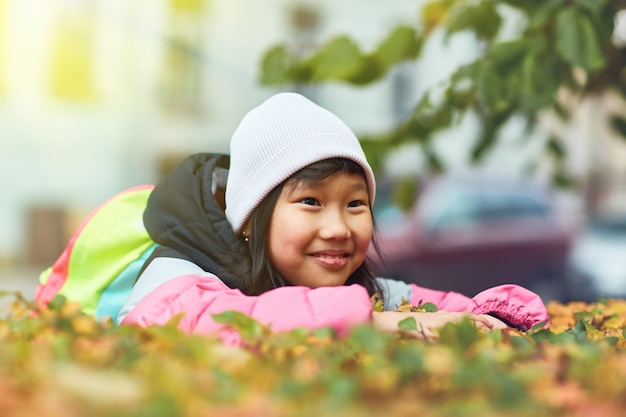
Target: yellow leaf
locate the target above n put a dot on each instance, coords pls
(84, 325)
(434, 13)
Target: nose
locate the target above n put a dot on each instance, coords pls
(335, 225)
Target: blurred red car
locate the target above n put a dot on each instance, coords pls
(467, 234)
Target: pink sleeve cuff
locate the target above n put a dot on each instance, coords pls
(513, 304)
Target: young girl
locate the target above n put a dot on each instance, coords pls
(280, 230)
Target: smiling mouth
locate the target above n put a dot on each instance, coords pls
(331, 260)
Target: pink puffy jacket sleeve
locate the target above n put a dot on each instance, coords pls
(513, 304)
(282, 309)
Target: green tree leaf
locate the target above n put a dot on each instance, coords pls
(539, 80)
(555, 148)
(249, 328)
(407, 324)
(460, 335)
(57, 302)
(401, 44)
(508, 55)
(275, 65)
(483, 19)
(594, 6)
(370, 70)
(534, 6)
(490, 87)
(619, 124)
(365, 338)
(428, 307)
(339, 59)
(520, 77)
(435, 163)
(434, 13)
(577, 40)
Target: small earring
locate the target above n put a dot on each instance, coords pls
(246, 238)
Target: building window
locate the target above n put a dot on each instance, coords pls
(181, 70)
(72, 63)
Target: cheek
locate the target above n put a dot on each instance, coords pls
(284, 236)
(364, 234)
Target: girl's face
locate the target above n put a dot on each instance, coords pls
(320, 231)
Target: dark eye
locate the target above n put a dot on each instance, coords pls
(356, 203)
(310, 201)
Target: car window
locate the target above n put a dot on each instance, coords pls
(484, 208)
(609, 226)
(458, 212)
(500, 207)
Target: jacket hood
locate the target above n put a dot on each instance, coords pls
(183, 216)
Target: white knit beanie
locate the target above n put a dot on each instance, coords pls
(284, 134)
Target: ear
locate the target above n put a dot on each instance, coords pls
(245, 230)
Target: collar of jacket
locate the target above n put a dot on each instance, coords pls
(185, 219)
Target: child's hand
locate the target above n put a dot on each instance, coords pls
(494, 322)
(428, 323)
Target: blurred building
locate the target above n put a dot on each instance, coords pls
(100, 95)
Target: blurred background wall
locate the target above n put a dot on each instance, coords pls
(100, 95)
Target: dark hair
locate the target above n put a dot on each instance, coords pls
(257, 273)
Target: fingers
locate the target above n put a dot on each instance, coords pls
(482, 322)
(429, 324)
